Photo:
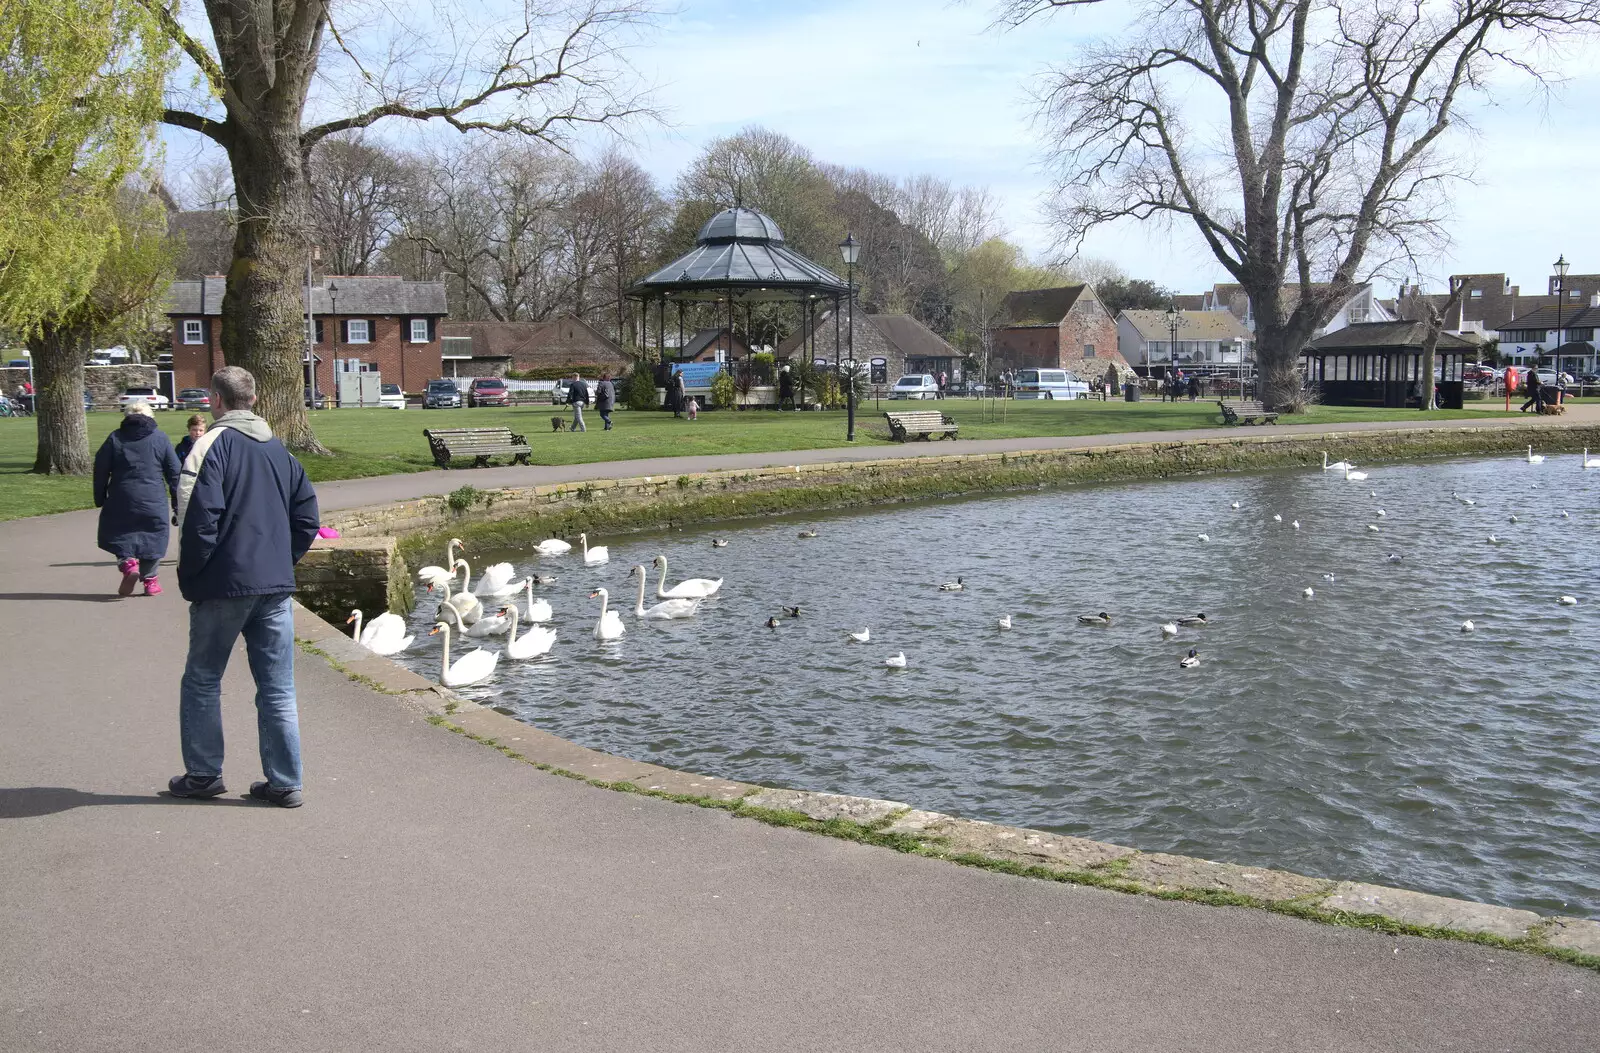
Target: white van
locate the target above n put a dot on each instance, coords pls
(1050, 384)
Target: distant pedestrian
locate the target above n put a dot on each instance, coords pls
(577, 398)
(1194, 386)
(246, 514)
(605, 398)
(1535, 392)
(1166, 384)
(786, 388)
(1113, 381)
(197, 428)
(135, 488)
(676, 388)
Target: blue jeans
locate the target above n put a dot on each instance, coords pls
(267, 623)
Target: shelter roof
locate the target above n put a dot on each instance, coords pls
(740, 251)
(1400, 336)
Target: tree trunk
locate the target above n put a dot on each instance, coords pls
(58, 357)
(1278, 370)
(263, 320)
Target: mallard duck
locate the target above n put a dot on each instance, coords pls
(863, 636)
(1005, 621)
(543, 579)
(792, 612)
(896, 661)
(772, 623)
(719, 542)
(1197, 622)
(1190, 660)
(807, 533)
(953, 586)
(1094, 619)
(1327, 577)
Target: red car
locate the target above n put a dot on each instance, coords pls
(488, 391)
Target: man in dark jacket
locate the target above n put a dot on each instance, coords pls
(577, 398)
(605, 398)
(246, 514)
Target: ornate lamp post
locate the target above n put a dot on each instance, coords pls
(1174, 320)
(1561, 294)
(333, 300)
(850, 250)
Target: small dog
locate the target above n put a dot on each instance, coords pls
(558, 423)
(1552, 408)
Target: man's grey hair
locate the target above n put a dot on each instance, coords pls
(235, 387)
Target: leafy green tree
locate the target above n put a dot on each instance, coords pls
(1131, 294)
(640, 392)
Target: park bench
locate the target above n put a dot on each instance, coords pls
(478, 443)
(1246, 413)
(924, 423)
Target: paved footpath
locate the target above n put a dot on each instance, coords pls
(433, 895)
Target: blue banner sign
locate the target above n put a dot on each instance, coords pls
(697, 374)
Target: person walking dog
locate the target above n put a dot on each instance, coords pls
(135, 488)
(577, 398)
(246, 514)
(605, 398)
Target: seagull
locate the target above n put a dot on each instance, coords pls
(1469, 502)
(1467, 626)
(1190, 660)
(1296, 524)
(1381, 513)
(1203, 537)
(1495, 540)
(1327, 577)
(1394, 557)
(1568, 601)
(1169, 628)
(719, 542)
(896, 661)
(1309, 592)
(1005, 621)
(1277, 518)
(863, 636)
(1234, 505)
(1372, 527)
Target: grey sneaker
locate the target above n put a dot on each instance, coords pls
(282, 798)
(196, 786)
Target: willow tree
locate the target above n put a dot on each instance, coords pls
(1303, 141)
(541, 74)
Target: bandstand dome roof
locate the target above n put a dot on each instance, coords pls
(740, 253)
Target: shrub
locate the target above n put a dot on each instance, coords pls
(640, 391)
(723, 393)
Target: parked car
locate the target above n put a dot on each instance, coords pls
(391, 397)
(150, 396)
(1050, 384)
(1478, 374)
(441, 394)
(194, 399)
(18, 363)
(558, 394)
(488, 391)
(915, 386)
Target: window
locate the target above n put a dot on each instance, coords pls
(419, 330)
(194, 331)
(1574, 294)
(1088, 350)
(1477, 294)
(358, 331)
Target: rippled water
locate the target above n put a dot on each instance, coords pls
(1357, 734)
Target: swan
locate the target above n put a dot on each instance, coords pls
(719, 542)
(688, 588)
(1169, 628)
(1568, 601)
(863, 636)
(1535, 458)
(1381, 513)
(430, 573)
(531, 644)
(1514, 519)
(1354, 477)
(807, 533)
(1564, 514)
(1094, 619)
(1203, 537)
(495, 582)
(489, 625)
(1190, 660)
(896, 661)
(610, 626)
(462, 603)
(1336, 466)
(1467, 626)
(385, 634)
(953, 586)
(542, 579)
(1309, 592)
(1469, 502)
(594, 556)
(1197, 622)
(1590, 462)
(666, 609)
(471, 667)
(553, 546)
(1004, 622)
(538, 610)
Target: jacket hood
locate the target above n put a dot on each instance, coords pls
(136, 426)
(246, 423)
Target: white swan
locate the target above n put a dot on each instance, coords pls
(464, 602)
(594, 556)
(1590, 462)
(495, 582)
(688, 588)
(1203, 537)
(1169, 628)
(488, 625)
(1494, 539)
(429, 573)
(1372, 527)
(1190, 660)
(531, 644)
(1354, 477)
(1381, 513)
(553, 546)
(610, 626)
(471, 667)
(538, 610)
(1235, 505)
(1535, 458)
(666, 610)
(896, 661)
(385, 634)
(1469, 502)
(1336, 466)
(1296, 524)
(1005, 621)
(863, 636)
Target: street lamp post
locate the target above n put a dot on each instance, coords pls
(850, 250)
(1561, 294)
(333, 300)
(1174, 320)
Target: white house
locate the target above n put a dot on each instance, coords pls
(1540, 338)
(1360, 306)
(1202, 338)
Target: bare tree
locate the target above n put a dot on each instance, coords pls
(357, 190)
(1329, 154)
(556, 67)
(1431, 311)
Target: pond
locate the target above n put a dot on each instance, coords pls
(1357, 733)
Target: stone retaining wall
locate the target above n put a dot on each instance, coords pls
(339, 575)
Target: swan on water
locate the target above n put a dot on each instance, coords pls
(495, 582)
(1198, 621)
(1535, 458)
(896, 661)
(1203, 537)
(863, 636)
(1514, 519)
(1564, 514)
(1296, 524)
(1590, 462)
(1354, 477)
(1094, 619)
(1336, 466)
(666, 610)
(1469, 502)
(539, 610)
(688, 588)
(553, 546)
(536, 641)
(470, 668)
(1190, 660)
(953, 586)
(610, 626)
(430, 573)
(1005, 621)
(1381, 513)
(1169, 628)
(1568, 601)
(489, 625)
(1494, 539)
(463, 603)
(1467, 626)
(385, 634)
(594, 556)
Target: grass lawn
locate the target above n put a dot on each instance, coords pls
(382, 442)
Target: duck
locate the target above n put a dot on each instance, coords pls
(688, 588)
(430, 573)
(666, 610)
(792, 612)
(1196, 622)
(1394, 557)
(1203, 537)
(807, 533)
(1467, 626)
(542, 579)
(470, 668)
(593, 557)
(1535, 458)
(385, 634)
(1169, 628)
(896, 661)
(1190, 660)
(953, 586)
(539, 610)
(1335, 466)
(1589, 462)
(1308, 592)
(1568, 601)
(553, 546)
(772, 622)
(1276, 518)
(719, 542)
(1469, 502)
(1094, 619)
(609, 626)
(1352, 476)
(862, 636)
(535, 642)
(1004, 622)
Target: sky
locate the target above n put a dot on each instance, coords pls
(911, 86)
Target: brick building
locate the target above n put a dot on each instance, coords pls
(904, 344)
(566, 343)
(389, 324)
(1064, 328)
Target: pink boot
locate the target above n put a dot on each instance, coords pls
(152, 587)
(130, 576)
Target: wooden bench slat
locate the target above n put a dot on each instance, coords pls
(477, 443)
(905, 423)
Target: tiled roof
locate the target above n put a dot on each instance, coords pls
(1040, 306)
(1385, 335)
(554, 342)
(1573, 316)
(1196, 325)
(356, 295)
(913, 339)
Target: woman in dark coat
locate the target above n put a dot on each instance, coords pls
(677, 393)
(136, 488)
